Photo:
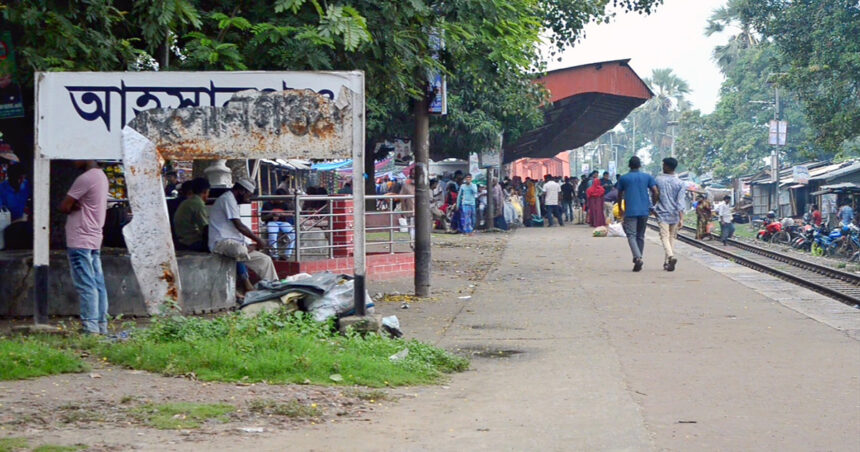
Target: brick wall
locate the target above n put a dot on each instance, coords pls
(380, 267)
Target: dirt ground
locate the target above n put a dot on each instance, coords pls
(94, 409)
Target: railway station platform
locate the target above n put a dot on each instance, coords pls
(573, 351)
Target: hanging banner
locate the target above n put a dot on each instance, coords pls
(11, 105)
(777, 132)
(800, 174)
(474, 164)
(613, 170)
(437, 87)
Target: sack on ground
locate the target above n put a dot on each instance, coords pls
(600, 231)
(616, 230)
(578, 216)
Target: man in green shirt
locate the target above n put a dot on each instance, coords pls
(191, 223)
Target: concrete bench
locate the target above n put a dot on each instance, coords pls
(208, 284)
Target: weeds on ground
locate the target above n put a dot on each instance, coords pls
(28, 357)
(180, 415)
(369, 395)
(277, 347)
(21, 444)
(292, 409)
(13, 444)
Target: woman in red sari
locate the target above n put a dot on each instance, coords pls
(595, 203)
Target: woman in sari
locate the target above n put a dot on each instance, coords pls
(594, 203)
(531, 201)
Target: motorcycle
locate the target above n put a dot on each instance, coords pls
(769, 230)
(804, 238)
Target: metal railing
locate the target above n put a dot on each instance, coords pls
(321, 226)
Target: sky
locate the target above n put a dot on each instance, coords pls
(673, 37)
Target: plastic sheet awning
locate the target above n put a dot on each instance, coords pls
(587, 101)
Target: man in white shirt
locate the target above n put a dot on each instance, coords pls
(552, 191)
(227, 233)
(724, 214)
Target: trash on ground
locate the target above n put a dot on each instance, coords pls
(465, 297)
(399, 356)
(324, 295)
(335, 377)
(616, 230)
(251, 429)
(600, 231)
(391, 325)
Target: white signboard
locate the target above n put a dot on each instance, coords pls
(612, 169)
(800, 174)
(81, 114)
(777, 132)
(474, 165)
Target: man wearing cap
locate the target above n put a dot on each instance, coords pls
(227, 233)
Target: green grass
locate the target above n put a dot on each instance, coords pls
(56, 448)
(13, 444)
(181, 415)
(291, 409)
(28, 357)
(21, 444)
(275, 348)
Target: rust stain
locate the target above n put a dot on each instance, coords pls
(168, 276)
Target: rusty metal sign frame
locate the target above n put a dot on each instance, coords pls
(252, 125)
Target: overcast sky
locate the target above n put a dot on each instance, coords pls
(673, 37)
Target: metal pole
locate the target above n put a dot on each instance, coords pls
(298, 219)
(41, 235)
(776, 150)
(358, 175)
(390, 227)
(422, 199)
(490, 201)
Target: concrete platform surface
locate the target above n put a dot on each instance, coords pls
(572, 351)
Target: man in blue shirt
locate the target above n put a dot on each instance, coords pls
(634, 188)
(15, 191)
(14, 196)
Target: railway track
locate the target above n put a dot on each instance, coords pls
(837, 284)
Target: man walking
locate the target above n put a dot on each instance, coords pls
(670, 210)
(567, 192)
(552, 189)
(86, 206)
(724, 214)
(634, 188)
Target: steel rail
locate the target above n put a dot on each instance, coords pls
(839, 285)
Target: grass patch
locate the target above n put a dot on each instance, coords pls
(13, 444)
(57, 448)
(277, 348)
(180, 415)
(292, 409)
(369, 395)
(28, 357)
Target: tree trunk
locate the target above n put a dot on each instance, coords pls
(422, 199)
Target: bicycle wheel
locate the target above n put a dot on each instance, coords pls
(781, 238)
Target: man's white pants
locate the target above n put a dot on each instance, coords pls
(668, 233)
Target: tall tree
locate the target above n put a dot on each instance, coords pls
(817, 44)
(657, 118)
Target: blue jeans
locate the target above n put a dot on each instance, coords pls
(89, 279)
(634, 228)
(276, 227)
(727, 230)
(568, 210)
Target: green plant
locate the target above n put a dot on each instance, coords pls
(292, 409)
(28, 357)
(180, 415)
(13, 444)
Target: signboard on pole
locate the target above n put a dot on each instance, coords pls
(437, 86)
(79, 111)
(11, 105)
(800, 174)
(474, 164)
(777, 132)
(585, 168)
(613, 170)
